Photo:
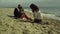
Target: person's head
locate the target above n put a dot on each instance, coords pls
(34, 7)
(20, 7)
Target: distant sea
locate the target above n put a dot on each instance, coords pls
(51, 10)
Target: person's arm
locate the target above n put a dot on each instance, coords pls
(23, 10)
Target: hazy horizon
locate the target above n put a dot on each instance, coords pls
(26, 3)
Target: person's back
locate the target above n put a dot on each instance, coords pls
(37, 15)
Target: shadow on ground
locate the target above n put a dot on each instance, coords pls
(11, 16)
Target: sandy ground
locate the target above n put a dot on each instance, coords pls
(9, 25)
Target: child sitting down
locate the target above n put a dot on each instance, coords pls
(19, 13)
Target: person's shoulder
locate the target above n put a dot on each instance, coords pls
(15, 8)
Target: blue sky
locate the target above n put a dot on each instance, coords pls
(26, 3)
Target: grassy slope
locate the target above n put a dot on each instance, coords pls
(15, 26)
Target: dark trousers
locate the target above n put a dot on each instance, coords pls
(37, 20)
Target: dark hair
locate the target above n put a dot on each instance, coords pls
(20, 7)
(34, 7)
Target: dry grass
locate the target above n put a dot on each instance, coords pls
(10, 25)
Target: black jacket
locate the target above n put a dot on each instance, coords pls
(17, 13)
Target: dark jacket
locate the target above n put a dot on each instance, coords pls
(17, 13)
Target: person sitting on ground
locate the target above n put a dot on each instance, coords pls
(36, 13)
(19, 13)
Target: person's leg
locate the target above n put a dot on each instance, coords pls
(16, 16)
(37, 20)
(27, 17)
(24, 16)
